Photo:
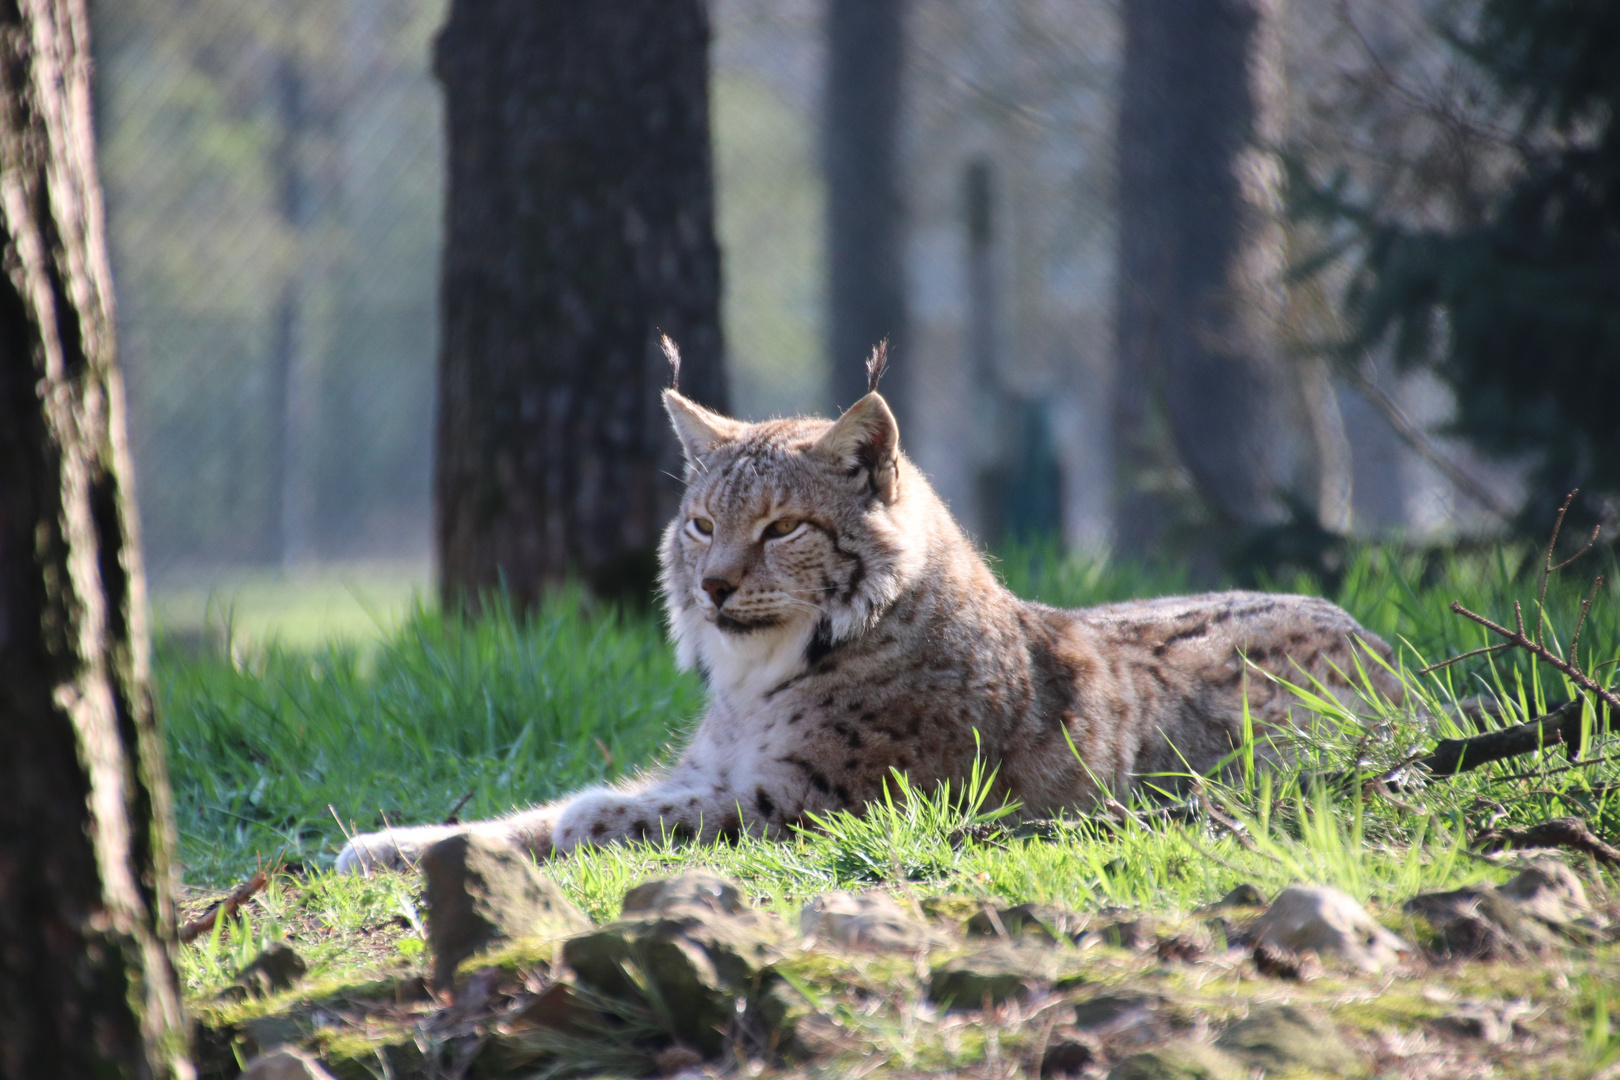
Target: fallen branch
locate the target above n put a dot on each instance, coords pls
(1452, 756)
(203, 923)
(1564, 832)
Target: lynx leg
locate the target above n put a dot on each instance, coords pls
(400, 849)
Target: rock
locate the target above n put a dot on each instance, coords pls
(263, 1034)
(1244, 895)
(1510, 921)
(695, 889)
(1481, 923)
(696, 956)
(967, 981)
(1279, 963)
(1492, 1023)
(1065, 1057)
(869, 921)
(483, 891)
(1329, 923)
(1182, 948)
(1280, 1037)
(1038, 920)
(1123, 933)
(285, 1064)
(1121, 1019)
(277, 968)
(556, 1008)
(1550, 891)
(673, 1060)
(1181, 1060)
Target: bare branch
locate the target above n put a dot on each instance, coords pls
(1465, 656)
(1575, 639)
(1518, 639)
(1414, 437)
(203, 923)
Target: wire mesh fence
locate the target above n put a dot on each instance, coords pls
(274, 178)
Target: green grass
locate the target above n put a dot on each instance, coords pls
(275, 746)
(360, 602)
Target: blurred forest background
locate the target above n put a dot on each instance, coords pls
(275, 179)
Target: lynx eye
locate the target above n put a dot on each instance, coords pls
(780, 528)
(702, 526)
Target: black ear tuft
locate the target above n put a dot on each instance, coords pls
(876, 365)
(673, 355)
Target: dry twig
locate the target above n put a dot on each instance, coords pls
(203, 923)
(1565, 832)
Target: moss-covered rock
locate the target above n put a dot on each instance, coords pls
(483, 891)
(1279, 1037)
(1182, 1060)
(688, 958)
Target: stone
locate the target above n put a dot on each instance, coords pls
(1180, 1060)
(277, 968)
(1244, 895)
(1550, 891)
(263, 1034)
(1123, 933)
(556, 1008)
(1121, 1019)
(693, 948)
(1038, 920)
(1065, 1057)
(483, 891)
(694, 889)
(1280, 1037)
(1520, 918)
(870, 921)
(1481, 923)
(1279, 963)
(285, 1064)
(1331, 924)
(966, 982)
(1491, 1022)
(674, 1060)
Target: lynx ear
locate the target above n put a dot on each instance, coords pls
(866, 439)
(700, 430)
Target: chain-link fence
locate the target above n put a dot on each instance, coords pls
(274, 183)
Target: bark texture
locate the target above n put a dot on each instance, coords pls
(1201, 264)
(87, 981)
(866, 295)
(579, 224)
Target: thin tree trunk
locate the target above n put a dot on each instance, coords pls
(87, 980)
(1201, 263)
(866, 296)
(579, 224)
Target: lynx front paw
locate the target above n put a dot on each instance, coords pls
(394, 849)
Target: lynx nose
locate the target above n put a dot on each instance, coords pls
(718, 589)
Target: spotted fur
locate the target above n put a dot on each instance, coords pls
(846, 627)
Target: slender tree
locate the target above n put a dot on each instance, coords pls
(579, 225)
(1201, 265)
(866, 300)
(87, 980)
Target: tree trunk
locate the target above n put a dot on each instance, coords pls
(579, 224)
(87, 980)
(866, 295)
(1201, 265)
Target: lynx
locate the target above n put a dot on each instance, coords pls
(846, 626)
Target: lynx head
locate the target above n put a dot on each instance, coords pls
(793, 536)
